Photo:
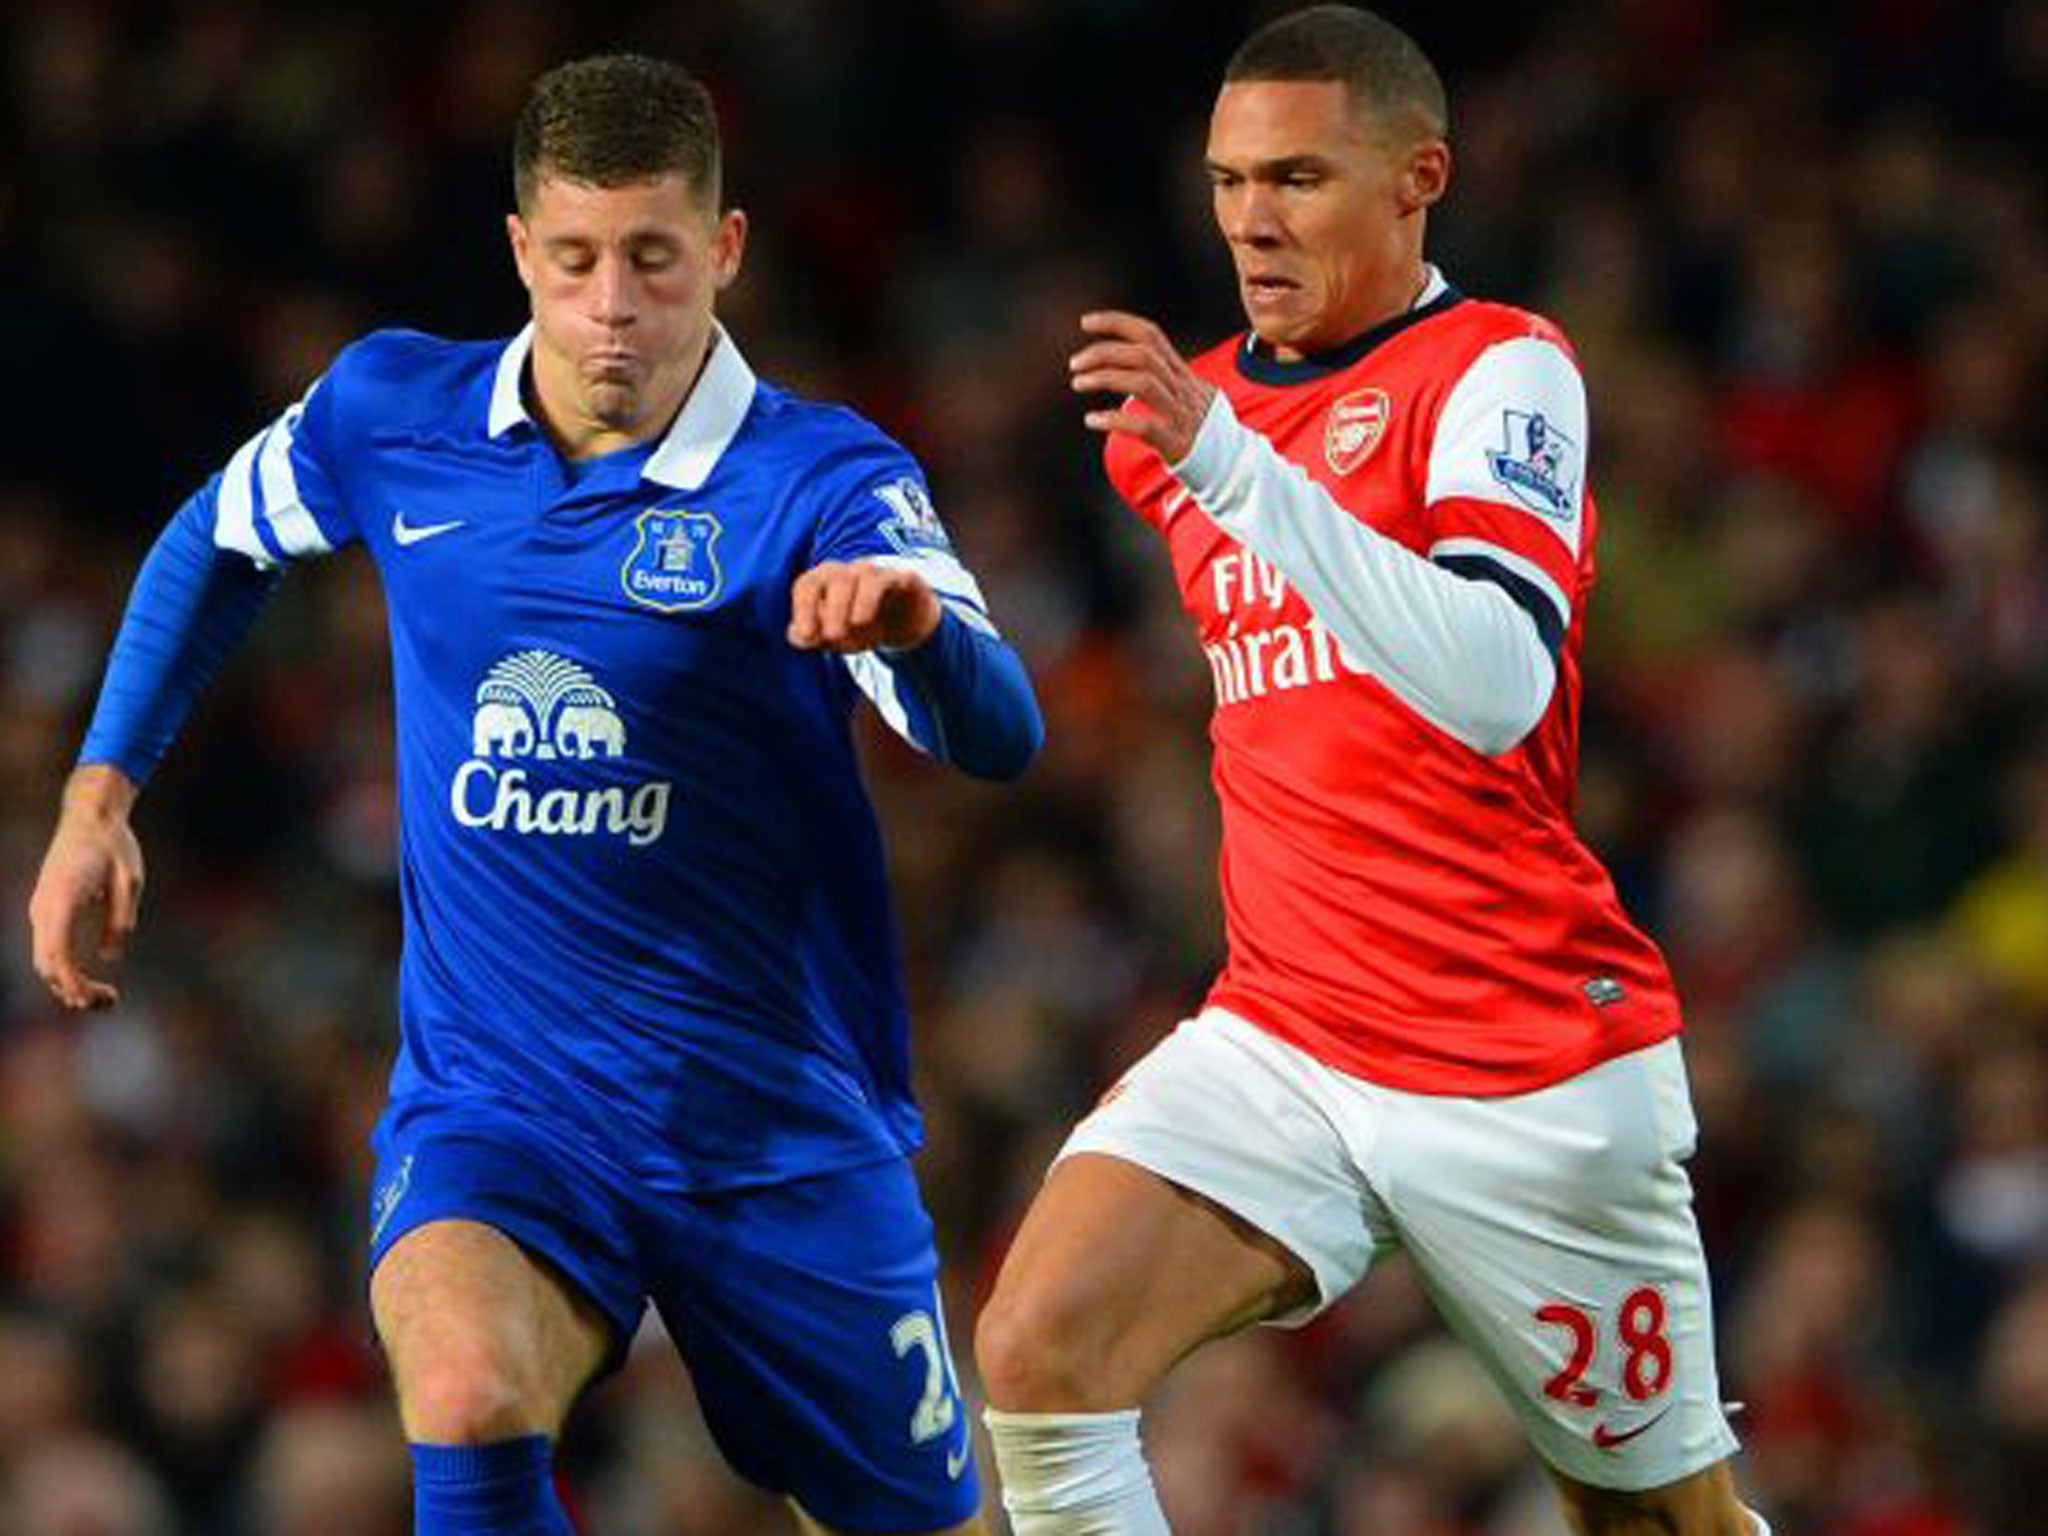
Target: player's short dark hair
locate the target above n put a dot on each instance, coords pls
(1387, 75)
(614, 118)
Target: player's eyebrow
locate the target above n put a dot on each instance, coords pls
(1279, 168)
(633, 239)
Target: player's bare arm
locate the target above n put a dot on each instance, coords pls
(857, 605)
(90, 888)
(1131, 356)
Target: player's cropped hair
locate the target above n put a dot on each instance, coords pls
(615, 118)
(1375, 60)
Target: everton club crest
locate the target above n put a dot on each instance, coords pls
(674, 564)
(1357, 423)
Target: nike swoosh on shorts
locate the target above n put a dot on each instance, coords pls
(1608, 1439)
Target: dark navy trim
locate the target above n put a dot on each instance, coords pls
(1528, 596)
(1259, 365)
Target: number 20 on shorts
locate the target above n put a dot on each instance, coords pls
(1639, 1329)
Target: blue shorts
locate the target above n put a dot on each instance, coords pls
(807, 1311)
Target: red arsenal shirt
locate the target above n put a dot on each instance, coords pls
(1406, 905)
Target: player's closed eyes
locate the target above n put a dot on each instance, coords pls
(1292, 180)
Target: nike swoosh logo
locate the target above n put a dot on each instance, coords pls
(412, 533)
(956, 1463)
(1607, 1439)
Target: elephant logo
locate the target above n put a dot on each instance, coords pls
(538, 704)
(501, 730)
(588, 730)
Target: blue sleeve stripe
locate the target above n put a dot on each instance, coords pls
(969, 598)
(298, 531)
(333, 532)
(259, 505)
(234, 523)
(968, 612)
(1528, 596)
(878, 682)
(261, 514)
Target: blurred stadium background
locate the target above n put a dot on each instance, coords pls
(1804, 251)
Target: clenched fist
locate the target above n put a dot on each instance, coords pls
(860, 605)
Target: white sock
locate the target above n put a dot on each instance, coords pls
(1075, 1474)
(1763, 1526)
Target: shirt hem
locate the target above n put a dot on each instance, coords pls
(1414, 1071)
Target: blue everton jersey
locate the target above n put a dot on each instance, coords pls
(644, 894)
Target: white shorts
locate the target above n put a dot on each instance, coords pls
(1553, 1229)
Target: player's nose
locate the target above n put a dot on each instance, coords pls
(1251, 217)
(611, 295)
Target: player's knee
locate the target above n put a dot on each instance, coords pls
(1604, 1513)
(468, 1396)
(1032, 1353)
(1702, 1505)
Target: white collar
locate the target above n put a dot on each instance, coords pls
(695, 441)
(508, 402)
(709, 420)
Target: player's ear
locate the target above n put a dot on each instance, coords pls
(728, 246)
(1426, 175)
(522, 248)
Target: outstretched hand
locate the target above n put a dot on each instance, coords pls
(89, 893)
(1165, 399)
(858, 605)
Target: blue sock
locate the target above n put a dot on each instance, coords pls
(505, 1488)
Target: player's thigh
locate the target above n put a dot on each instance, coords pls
(1210, 1189)
(502, 1275)
(810, 1317)
(1115, 1274)
(481, 1333)
(1555, 1232)
(1702, 1504)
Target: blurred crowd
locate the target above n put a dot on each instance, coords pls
(1804, 254)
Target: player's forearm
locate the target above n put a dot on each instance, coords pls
(1459, 651)
(191, 603)
(968, 700)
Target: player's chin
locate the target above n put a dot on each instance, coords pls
(1277, 317)
(614, 403)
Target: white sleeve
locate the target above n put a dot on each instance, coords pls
(1512, 435)
(1458, 651)
(262, 510)
(900, 511)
